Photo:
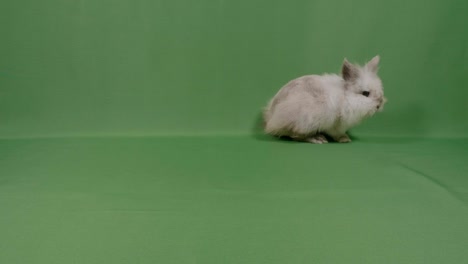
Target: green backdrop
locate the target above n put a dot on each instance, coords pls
(163, 67)
(129, 133)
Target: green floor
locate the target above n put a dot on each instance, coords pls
(233, 200)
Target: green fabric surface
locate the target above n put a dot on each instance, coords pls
(129, 133)
(152, 67)
(208, 200)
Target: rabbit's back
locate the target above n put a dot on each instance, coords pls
(304, 105)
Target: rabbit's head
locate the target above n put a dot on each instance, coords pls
(364, 86)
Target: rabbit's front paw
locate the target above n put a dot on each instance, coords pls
(344, 139)
(317, 139)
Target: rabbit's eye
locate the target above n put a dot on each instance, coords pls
(366, 93)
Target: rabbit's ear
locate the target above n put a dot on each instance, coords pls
(349, 71)
(373, 65)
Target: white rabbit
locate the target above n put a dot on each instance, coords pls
(312, 106)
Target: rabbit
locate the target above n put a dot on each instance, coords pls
(314, 107)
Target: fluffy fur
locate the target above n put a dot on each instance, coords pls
(312, 106)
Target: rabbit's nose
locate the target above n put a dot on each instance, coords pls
(382, 100)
